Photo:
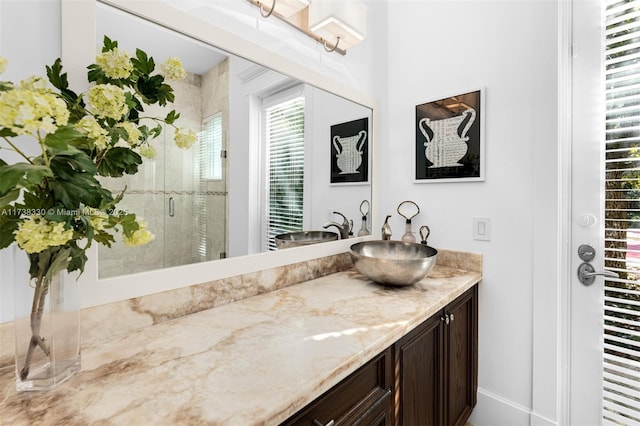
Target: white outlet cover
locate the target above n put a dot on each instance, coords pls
(482, 228)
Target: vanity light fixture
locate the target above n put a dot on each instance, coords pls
(343, 21)
(337, 25)
(285, 8)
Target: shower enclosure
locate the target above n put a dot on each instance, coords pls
(181, 193)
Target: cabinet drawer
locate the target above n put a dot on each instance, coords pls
(355, 397)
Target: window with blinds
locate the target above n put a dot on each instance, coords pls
(621, 381)
(207, 164)
(284, 138)
(210, 148)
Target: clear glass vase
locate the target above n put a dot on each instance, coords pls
(47, 328)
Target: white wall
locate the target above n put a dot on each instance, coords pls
(417, 51)
(325, 110)
(29, 40)
(438, 49)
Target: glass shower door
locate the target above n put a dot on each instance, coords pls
(181, 193)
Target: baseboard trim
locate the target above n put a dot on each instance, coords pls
(495, 410)
(538, 420)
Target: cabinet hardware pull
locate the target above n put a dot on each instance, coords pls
(451, 315)
(172, 207)
(317, 423)
(447, 319)
(373, 407)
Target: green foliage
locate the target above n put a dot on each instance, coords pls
(7, 227)
(108, 44)
(119, 161)
(61, 185)
(59, 80)
(171, 117)
(154, 90)
(142, 63)
(21, 175)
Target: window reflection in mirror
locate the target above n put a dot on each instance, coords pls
(221, 198)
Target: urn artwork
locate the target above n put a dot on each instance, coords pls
(55, 146)
(350, 152)
(449, 139)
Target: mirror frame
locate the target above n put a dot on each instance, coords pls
(78, 49)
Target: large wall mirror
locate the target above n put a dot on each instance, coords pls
(302, 150)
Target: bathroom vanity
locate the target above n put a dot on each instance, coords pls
(428, 377)
(338, 347)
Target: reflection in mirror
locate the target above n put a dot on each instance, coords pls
(180, 193)
(267, 160)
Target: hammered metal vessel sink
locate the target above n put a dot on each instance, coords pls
(393, 262)
(303, 238)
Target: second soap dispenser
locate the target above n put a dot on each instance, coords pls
(408, 210)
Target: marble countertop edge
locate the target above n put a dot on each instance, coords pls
(254, 361)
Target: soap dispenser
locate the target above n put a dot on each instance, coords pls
(425, 231)
(364, 210)
(408, 210)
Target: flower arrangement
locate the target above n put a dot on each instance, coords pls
(52, 203)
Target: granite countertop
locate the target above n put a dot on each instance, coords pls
(254, 361)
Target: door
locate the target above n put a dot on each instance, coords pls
(587, 226)
(605, 314)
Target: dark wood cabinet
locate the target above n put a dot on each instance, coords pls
(363, 398)
(438, 367)
(419, 361)
(428, 377)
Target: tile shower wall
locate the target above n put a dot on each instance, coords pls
(171, 175)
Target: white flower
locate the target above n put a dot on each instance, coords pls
(185, 138)
(108, 100)
(148, 151)
(172, 69)
(31, 108)
(140, 237)
(133, 134)
(36, 233)
(90, 127)
(115, 63)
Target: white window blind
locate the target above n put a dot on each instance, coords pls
(284, 137)
(207, 165)
(621, 381)
(210, 147)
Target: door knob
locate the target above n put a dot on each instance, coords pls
(587, 275)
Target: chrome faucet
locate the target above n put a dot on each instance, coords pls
(344, 228)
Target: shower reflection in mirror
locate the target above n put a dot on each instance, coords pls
(181, 193)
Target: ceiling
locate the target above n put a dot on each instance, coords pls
(132, 32)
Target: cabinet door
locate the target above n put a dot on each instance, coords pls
(461, 339)
(420, 390)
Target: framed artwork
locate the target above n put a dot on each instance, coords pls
(350, 152)
(450, 139)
